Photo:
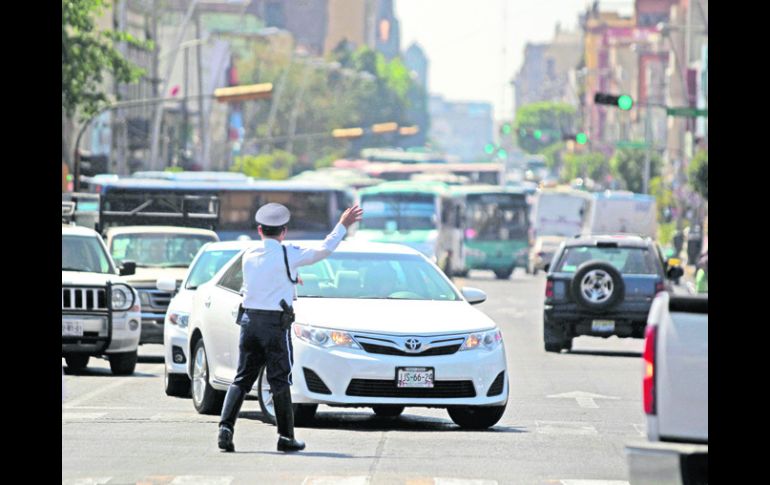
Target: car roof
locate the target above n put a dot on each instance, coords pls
(72, 230)
(622, 240)
(158, 229)
(344, 247)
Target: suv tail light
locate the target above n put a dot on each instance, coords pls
(659, 286)
(549, 288)
(648, 379)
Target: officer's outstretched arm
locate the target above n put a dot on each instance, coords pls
(306, 256)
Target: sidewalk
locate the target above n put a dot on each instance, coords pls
(686, 284)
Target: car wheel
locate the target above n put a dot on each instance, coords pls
(77, 361)
(476, 417)
(553, 338)
(388, 411)
(503, 274)
(177, 385)
(206, 399)
(597, 285)
(123, 363)
(535, 271)
(303, 413)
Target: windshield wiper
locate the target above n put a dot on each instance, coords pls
(76, 269)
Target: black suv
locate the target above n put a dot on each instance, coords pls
(602, 286)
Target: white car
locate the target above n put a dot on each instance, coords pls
(210, 258)
(100, 312)
(378, 325)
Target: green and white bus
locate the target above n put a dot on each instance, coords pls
(496, 235)
(426, 216)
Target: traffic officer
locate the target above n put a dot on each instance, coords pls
(269, 276)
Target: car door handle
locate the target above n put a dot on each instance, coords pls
(208, 302)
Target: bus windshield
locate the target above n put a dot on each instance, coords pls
(399, 211)
(496, 217)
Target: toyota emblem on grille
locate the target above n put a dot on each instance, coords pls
(412, 345)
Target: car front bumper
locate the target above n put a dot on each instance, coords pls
(345, 372)
(175, 343)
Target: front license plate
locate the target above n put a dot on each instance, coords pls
(603, 325)
(414, 377)
(72, 328)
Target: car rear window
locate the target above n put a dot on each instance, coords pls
(626, 260)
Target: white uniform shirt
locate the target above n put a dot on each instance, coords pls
(265, 281)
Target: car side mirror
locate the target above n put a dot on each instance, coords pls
(166, 284)
(474, 295)
(127, 268)
(674, 272)
(547, 267)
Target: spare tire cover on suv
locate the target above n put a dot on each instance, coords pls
(597, 285)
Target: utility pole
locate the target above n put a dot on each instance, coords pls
(648, 147)
(202, 121)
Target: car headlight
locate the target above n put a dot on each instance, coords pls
(483, 340)
(324, 337)
(122, 297)
(179, 318)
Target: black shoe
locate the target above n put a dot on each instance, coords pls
(226, 439)
(289, 444)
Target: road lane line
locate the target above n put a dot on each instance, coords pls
(73, 416)
(90, 395)
(594, 482)
(335, 480)
(587, 402)
(201, 480)
(565, 427)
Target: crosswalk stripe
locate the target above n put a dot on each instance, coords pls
(75, 416)
(86, 481)
(336, 480)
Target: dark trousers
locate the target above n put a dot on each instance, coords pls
(262, 342)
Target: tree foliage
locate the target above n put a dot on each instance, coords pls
(87, 55)
(628, 165)
(592, 165)
(276, 165)
(552, 118)
(698, 173)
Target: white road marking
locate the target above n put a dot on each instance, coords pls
(565, 427)
(201, 480)
(594, 482)
(77, 416)
(86, 481)
(335, 480)
(105, 407)
(584, 399)
(641, 429)
(462, 481)
(90, 395)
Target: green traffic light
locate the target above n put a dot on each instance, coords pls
(489, 149)
(581, 138)
(506, 129)
(502, 154)
(538, 134)
(625, 102)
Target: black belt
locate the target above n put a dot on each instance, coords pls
(263, 312)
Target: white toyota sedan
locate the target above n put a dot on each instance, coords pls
(377, 325)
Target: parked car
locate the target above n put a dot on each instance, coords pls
(377, 325)
(675, 386)
(542, 252)
(159, 252)
(602, 285)
(100, 310)
(210, 258)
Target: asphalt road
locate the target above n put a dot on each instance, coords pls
(568, 418)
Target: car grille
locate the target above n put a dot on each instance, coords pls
(497, 386)
(88, 299)
(387, 388)
(156, 300)
(314, 383)
(381, 349)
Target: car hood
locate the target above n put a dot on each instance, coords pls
(148, 276)
(93, 279)
(405, 317)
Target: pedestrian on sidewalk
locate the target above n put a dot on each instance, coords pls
(702, 274)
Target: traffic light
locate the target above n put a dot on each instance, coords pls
(489, 149)
(623, 101)
(581, 138)
(502, 154)
(505, 129)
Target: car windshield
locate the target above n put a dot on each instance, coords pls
(157, 249)
(83, 253)
(626, 260)
(207, 266)
(399, 211)
(359, 275)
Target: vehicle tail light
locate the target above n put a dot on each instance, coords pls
(549, 288)
(648, 379)
(659, 286)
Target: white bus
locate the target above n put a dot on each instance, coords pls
(624, 212)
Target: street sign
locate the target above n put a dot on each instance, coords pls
(630, 144)
(687, 112)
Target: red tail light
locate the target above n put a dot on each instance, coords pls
(648, 379)
(660, 286)
(549, 289)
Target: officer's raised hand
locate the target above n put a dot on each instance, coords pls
(351, 216)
